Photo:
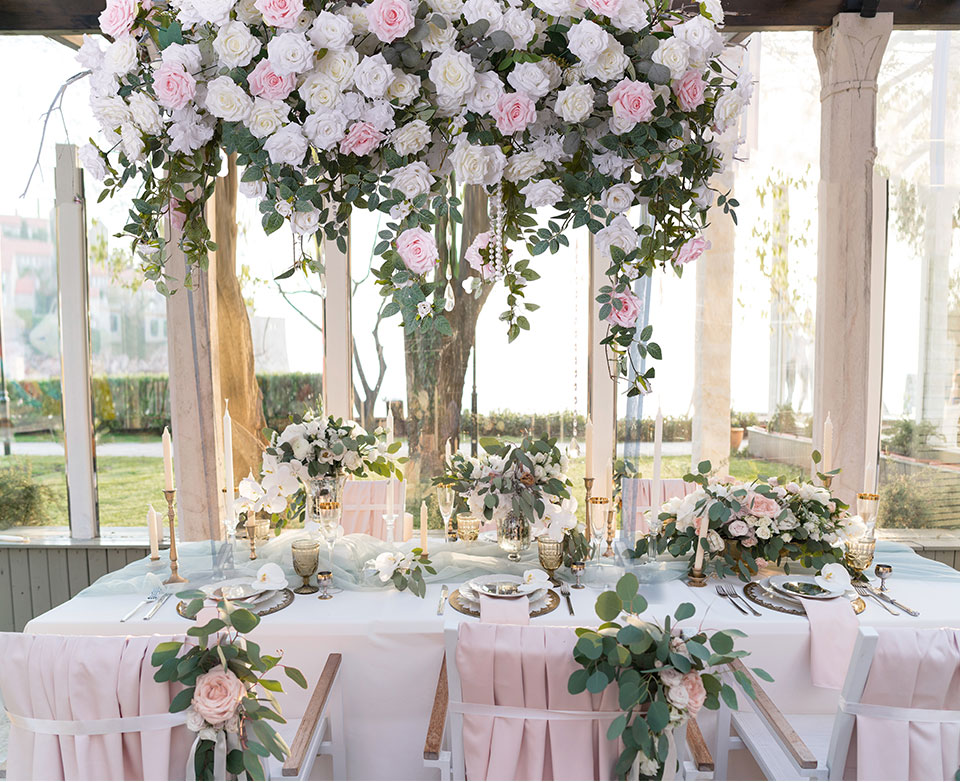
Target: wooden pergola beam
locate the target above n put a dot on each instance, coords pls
(62, 17)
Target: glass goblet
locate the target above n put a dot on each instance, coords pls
(868, 505)
(446, 497)
(597, 513)
(859, 555)
(324, 579)
(468, 528)
(306, 559)
(551, 555)
(330, 525)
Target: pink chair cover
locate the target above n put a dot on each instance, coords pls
(833, 633)
(88, 678)
(529, 667)
(637, 494)
(513, 611)
(917, 669)
(365, 502)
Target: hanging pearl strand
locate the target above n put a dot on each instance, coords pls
(498, 240)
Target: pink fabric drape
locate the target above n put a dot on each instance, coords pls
(637, 494)
(88, 678)
(365, 503)
(511, 665)
(833, 633)
(917, 669)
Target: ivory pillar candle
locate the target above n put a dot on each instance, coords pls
(589, 437)
(158, 521)
(228, 459)
(407, 526)
(423, 526)
(389, 426)
(167, 460)
(152, 533)
(827, 460)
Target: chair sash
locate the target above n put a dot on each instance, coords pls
(365, 503)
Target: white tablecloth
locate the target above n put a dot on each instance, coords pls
(392, 644)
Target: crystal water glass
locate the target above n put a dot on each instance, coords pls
(597, 516)
(868, 506)
(306, 560)
(330, 525)
(446, 497)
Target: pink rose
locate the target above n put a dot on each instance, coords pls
(175, 87)
(696, 692)
(265, 83)
(738, 528)
(691, 250)
(513, 111)
(178, 218)
(389, 19)
(763, 506)
(118, 17)
(689, 90)
(630, 309)
(217, 696)
(749, 542)
(280, 13)
(472, 255)
(418, 250)
(632, 100)
(606, 8)
(361, 139)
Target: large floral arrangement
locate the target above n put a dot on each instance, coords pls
(228, 691)
(588, 107)
(663, 677)
(751, 524)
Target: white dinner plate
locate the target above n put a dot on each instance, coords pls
(468, 594)
(488, 536)
(801, 586)
(236, 589)
(503, 585)
(470, 599)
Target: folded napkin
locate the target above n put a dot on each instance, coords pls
(833, 632)
(499, 610)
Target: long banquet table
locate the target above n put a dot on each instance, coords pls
(392, 642)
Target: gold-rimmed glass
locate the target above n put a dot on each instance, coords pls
(329, 524)
(868, 506)
(468, 528)
(597, 517)
(306, 560)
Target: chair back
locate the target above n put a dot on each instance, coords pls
(511, 714)
(365, 503)
(899, 711)
(84, 707)
(637, 494)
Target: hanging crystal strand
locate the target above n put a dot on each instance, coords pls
(573, 447)
(448, 300)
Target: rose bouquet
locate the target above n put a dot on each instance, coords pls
(751, 524)
(663, 677)
(228, 691)
(404, 570)
(589, 108)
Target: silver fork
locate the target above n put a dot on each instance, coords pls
(733, 594)
(864, 592)
(565, 591)
(157, 591)
(732, 601)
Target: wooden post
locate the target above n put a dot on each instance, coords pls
(337, 333)
(601, 388)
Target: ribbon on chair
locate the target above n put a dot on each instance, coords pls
(222, 746)
(139, 724)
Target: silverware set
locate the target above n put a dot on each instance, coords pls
(157, 597)
(885, 601)
(731, 594)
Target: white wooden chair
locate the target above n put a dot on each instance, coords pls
(812, 746)
(443, 747)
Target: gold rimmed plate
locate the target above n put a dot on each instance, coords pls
(767, 598)
(279, 600)
(458, 603)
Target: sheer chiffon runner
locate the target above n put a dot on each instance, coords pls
(77, 681)
(528, 667)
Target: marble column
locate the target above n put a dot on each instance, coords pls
(848, 53)
(195, 401)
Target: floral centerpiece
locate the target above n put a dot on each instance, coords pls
(405, 570)
(228, 691)
(587, 108)
(752, 524)
(663, 677)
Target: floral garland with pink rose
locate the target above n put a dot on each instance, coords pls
(228, 691)
(587, 108)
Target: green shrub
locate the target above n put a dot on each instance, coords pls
(908, 438)
(904, 503)
(23, 501)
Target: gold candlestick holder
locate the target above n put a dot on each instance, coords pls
(175, 577)
(610, 534)
(696, 578)
(588, 485)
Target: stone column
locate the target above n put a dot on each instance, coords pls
(196, 408)
(713, 336)
(849, 55)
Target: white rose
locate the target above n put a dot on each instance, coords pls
(287, 145)
(715, 9)
(235, 45)
(331, 31)
(559, 7)
(304, 21)
(448, 9)
(266, 117)
(410, 138)
(131, 141)
(145, 113)
(290, 53)
(248, 12)
(325, 129)
(530, 78)
(186, 55)
(380, 115)
(673, 53)
(404, 88)
(727, 111)
(477, 165)
(489, 10)
(255, 189)
(352, 460)
(610, 164)
(575, 103)
(453, 74)
(227, 100)
(438, 39)
(702, 36)
(305, 223)
(617, 198)
(586, 40)
(357, 16)
(90, 55)
(189, 132)
(522, 166)
(610, 64)
(373, 76)
(632, 15)
(520, 26)
(618, 234)
(215, 11)
(121, 56)
(412, 180)
(340, 66)
(485, 94)
(92, 161)
(353, 105)
(678, 696)
(542, 193)
(320, 91)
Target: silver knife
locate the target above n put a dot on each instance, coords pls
(148, 599)
(443, 600)
(156, 607)
(891, 601)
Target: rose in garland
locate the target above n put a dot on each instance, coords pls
(586, 109)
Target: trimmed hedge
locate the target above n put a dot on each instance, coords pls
(506, 423)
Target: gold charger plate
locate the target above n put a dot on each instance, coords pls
(273, 605)
(756, 593)
(457, 604)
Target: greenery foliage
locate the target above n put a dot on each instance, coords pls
(23, 500)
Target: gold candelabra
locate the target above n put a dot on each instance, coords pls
(610, 534)
(175, 577)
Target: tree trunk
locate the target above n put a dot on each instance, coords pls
(436, 365)
(238, 381)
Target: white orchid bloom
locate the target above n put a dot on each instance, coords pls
(834, 578)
